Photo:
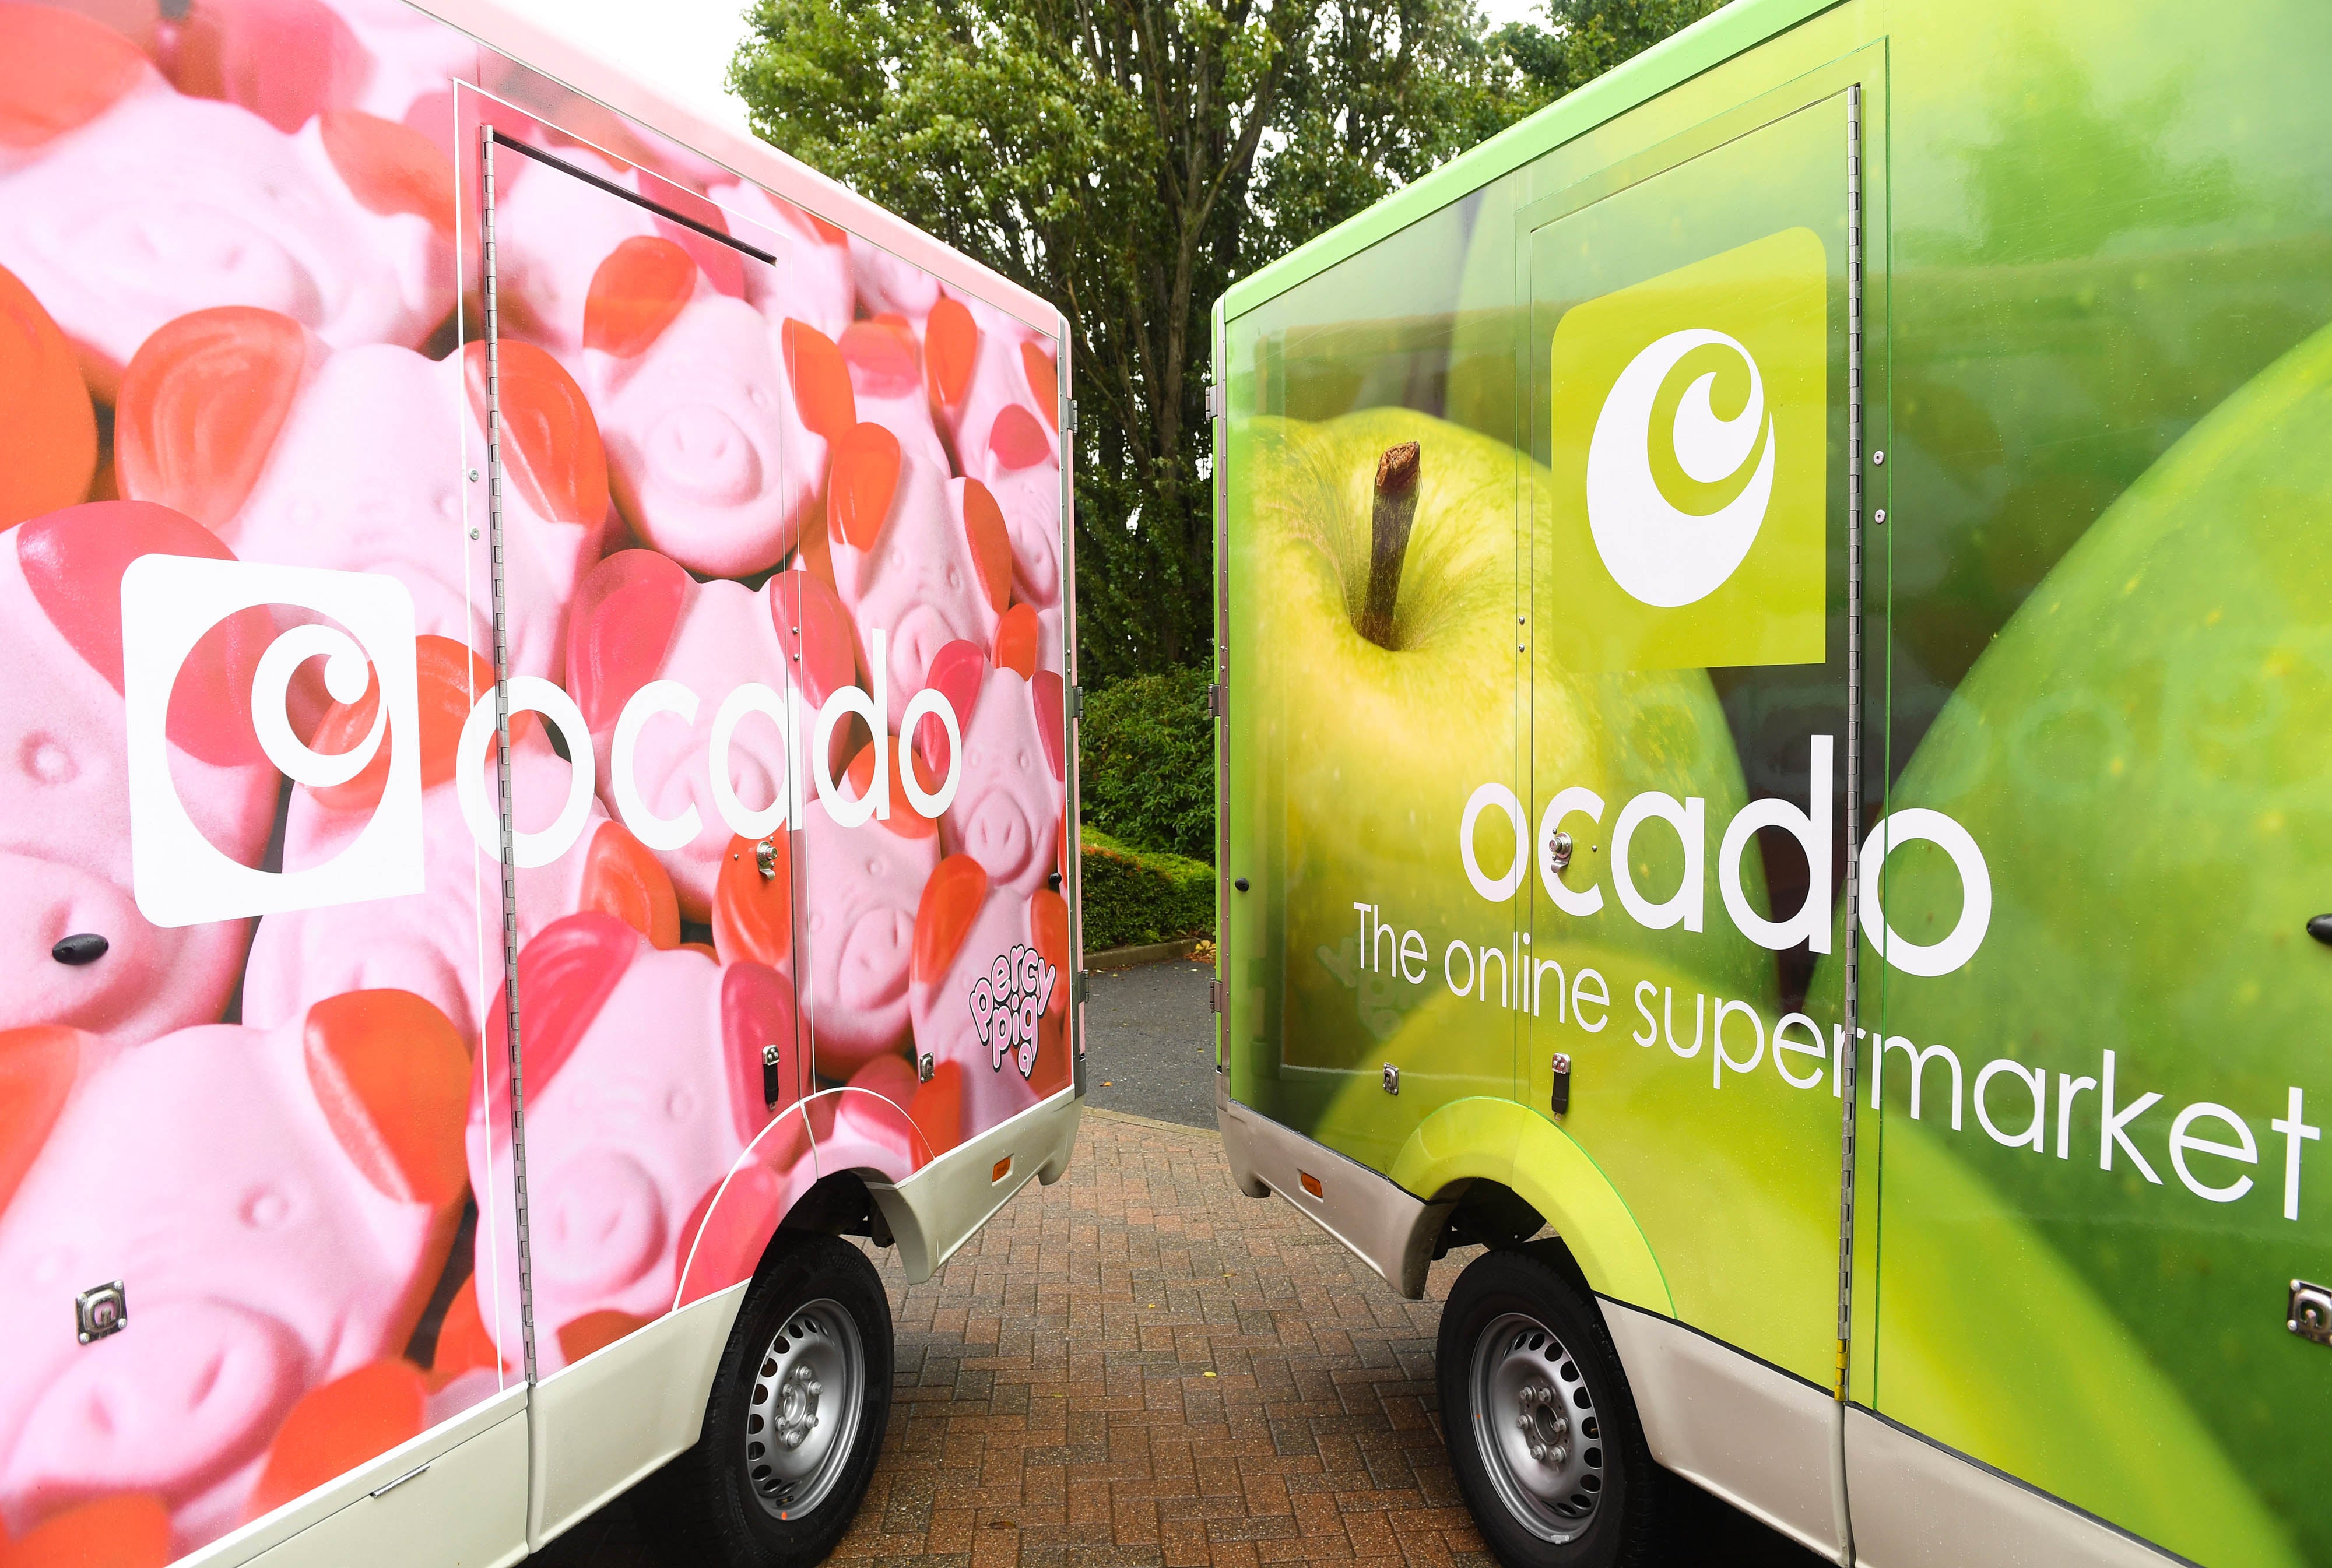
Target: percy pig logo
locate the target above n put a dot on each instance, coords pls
(1005, 1003)
(169, 603)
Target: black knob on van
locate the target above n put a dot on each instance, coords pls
(2320, 927)
(84, 947)
(1240, 883)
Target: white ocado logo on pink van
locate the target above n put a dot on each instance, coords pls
(1577, 808)
(179, 878)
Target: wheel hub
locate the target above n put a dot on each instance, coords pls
(797, 1407)
(1542, 1424)
(1541, 1440)
(803, 1420)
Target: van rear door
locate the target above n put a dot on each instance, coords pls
(1693, 361)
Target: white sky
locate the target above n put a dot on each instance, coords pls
(1498, 12)
(682, 48)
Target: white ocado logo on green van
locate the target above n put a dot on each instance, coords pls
(1687, 819)
(1659, 553)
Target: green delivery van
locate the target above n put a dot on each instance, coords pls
(1776, 707)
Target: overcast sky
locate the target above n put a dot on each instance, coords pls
(1501, 12)
(682, 47)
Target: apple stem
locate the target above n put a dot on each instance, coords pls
(1389, 524)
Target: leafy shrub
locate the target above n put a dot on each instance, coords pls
(1147, 763)
(1139, 895)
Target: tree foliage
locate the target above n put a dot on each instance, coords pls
(1146, 761)
(1586, 38)
(1128, 159)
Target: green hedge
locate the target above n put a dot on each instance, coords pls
(1143, 895)
(1146, 762)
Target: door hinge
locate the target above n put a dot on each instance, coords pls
(1069, 425)
(1217, 403)
(1076, 695)
(1219, 700)
(1079, 985)
(1219, 996)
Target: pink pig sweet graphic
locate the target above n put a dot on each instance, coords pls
(297, 455)
(136, 204)
(1008, 809)
(640, 618)
(711, 460)
(77, 951)
(648, 1076)
(429, 943)
(921, 556)
(278, 1203)
(861, 885)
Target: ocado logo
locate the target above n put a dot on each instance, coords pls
(178, 877)
(1661, 553)
(169, 603)
(1687, 819)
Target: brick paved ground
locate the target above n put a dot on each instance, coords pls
(1148, 1368)
(1138, 1367)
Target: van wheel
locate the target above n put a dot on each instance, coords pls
(1541, 1431)
(795, 1420)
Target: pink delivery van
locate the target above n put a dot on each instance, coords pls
(537, 692)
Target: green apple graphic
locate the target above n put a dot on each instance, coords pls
(2144, 756)
(1362, 751)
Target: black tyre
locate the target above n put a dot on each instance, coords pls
(795, 1420)
(1542, 1430)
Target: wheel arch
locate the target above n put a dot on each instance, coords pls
(1470, 1144)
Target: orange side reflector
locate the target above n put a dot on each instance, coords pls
(1003, 1169)
(1311, 1183)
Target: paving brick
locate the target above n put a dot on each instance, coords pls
(1052, 1410)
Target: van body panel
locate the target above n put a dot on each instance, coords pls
(941, 1206)
(659, 1379)
(445, 965)
(468, 1505)
(456, 1453)
(1387, 1229)
(1918, 1504)
(2037, 1183)
(1692, 1393)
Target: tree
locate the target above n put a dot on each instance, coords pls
(1128, 159)
(1588, 38)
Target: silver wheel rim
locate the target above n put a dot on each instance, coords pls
(1536, 1423)
(803, 1422)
